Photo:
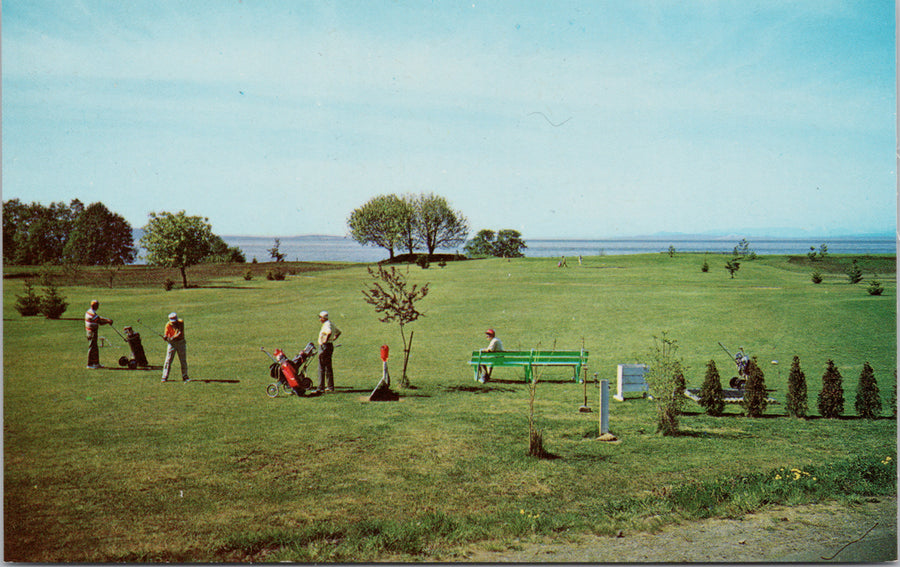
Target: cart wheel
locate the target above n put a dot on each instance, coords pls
(123, 361)
(306, 383)
(287, 389)
(272, 390)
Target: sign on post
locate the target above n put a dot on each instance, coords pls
(631, 378)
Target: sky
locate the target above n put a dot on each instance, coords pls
(584, 119)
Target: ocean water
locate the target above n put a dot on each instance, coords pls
(341, 249)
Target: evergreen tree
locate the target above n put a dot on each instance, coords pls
(755, 394)
(854, 273)
(831, 398)
(711, 396)
(796, 396)
(868, 400)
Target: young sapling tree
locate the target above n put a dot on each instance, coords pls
(389, 294)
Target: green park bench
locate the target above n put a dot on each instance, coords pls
(528, 359)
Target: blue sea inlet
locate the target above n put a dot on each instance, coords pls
(317, 248)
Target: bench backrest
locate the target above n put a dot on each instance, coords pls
(524, 357)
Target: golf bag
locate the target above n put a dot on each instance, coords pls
(290, 373)
(138, 358)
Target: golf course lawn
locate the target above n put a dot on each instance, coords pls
(113, 465)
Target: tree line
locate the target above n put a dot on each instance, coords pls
(425, 222)
(60, 233)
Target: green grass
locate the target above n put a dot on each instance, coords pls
(112, 465)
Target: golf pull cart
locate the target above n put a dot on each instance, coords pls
(290, 374)
(742, 361)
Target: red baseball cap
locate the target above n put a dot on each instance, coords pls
(490, 332)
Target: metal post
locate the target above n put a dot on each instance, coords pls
(604, 407)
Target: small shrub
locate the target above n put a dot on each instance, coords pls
(711, 396)
(53, 305)
(755, 395)
(868, 400)
(831, 397)
(664, 383)
(422, 261)
(854, 273)
(875, 287)
(248, 275)
(168, 284)
(816, 277)
(796, 396)
(29, 304)
(705, 267)
(275, 275)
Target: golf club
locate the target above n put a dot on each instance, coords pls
(152, 331)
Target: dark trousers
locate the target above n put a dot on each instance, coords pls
(326, 372)
(93, 349)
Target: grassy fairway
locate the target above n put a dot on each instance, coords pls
(113, 465)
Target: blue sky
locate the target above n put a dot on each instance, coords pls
(559, 119)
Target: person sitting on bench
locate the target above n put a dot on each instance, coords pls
(493, 346)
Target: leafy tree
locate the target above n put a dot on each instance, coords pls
(854, 273)
(389, 294)
(816, 277)
(733, 265)
(386, 221)
(99, 238)
(37, 234)
(177, 241)
(482, 244)
(506, 243)
(755, 395)
(831, 397)
(222, 253)
(711, 396)
(509, 244)
(664, 382)
(275, 251)
(868, 400)
(439, 226)
(796, 395)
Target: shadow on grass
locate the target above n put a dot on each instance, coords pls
(477, 389)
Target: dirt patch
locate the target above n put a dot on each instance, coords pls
(818, 533)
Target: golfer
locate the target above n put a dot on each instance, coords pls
(174, 335)
(327, 335)
(92, 323)
(495, 345)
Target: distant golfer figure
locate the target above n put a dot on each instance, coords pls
(92, 323)
(327, 335)
(495, 345)
(174, 335)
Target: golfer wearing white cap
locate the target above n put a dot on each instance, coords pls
(174, 335)
(327, 335)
